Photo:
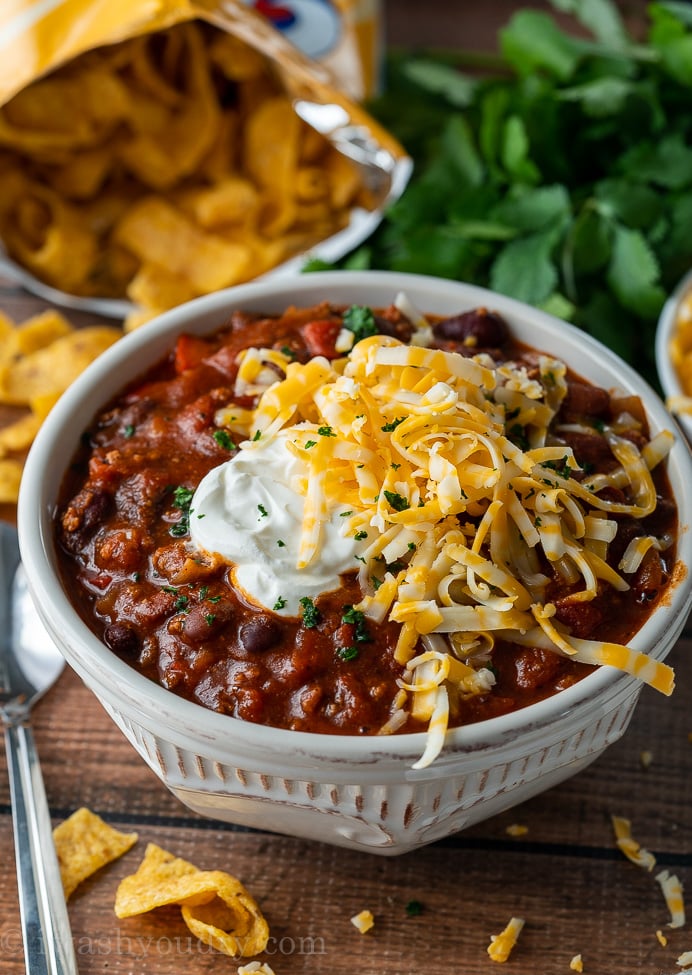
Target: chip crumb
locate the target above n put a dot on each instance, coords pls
(629, 846)
(662, 940)
(501, 945)
(646, 757)
(84, 843)
(576, 964)
(363, 921)
(685, 959)
(516, 829)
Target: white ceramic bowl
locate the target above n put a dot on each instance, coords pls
(667, 323)
(352, 791)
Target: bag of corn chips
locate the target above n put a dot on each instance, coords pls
(154, 152)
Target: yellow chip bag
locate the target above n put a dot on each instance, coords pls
(152, 155)
(215, 906)
(84, 843)
(10, 476)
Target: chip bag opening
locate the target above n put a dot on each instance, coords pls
(150, 157)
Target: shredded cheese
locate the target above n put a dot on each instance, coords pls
(672, 891)
(364, 921)
(685, 959)
(516, 829)
(501, 945)
(447, 467)
(661, 938)
(576, 964)
(629, 846)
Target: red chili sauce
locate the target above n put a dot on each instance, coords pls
(173, 614)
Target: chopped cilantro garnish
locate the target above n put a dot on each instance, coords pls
(360, 320)
(359, 536)
(326, 431)
(209, 618)
(281, 543)
(224, 439)
(128, 431)
(347, 653)
(414, 908)
(257, 434)
(280, 603)
(310, 443)
(311, 615)
(393, 424)
(357, 619)
(182, 499)
(262, 510)
(397, 501)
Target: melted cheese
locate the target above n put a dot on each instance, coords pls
(422, 447)
(501, 945)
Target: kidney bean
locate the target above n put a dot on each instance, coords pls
(259, 633)
(205, 621)
(584, 400)
(481, 328)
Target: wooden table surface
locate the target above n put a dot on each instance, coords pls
(565, 876)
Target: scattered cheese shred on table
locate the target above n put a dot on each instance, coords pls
(685, 959)
(646, 757)
(629, 846)
(364, 920)
(516, 829)
(256, 968)
(662, 940)
(577, 965)
(672, 891)
(421, 445)
(501, 945)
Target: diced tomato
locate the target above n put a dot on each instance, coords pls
(320, 337)
(189, 352)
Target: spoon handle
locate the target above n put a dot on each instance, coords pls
(48, 946)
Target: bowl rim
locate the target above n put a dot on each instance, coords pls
(667, 375)
(89, 391)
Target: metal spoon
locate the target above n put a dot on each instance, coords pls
(29, 665)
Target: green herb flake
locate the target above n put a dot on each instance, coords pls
(347, 653)
(129, 431)
(414, 908)
(397, 501)
(326, 431)
(262, 510)
(360, 320)
(393, 424)
(182, 499)
(224, 440)
(310, 615)
(310, 443)
(280, 603)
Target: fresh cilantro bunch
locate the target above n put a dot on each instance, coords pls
(558, 172)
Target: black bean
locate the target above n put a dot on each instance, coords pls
(123, 639)
(480, 328)
(258, 633)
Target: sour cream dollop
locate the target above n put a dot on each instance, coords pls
(249, 511)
